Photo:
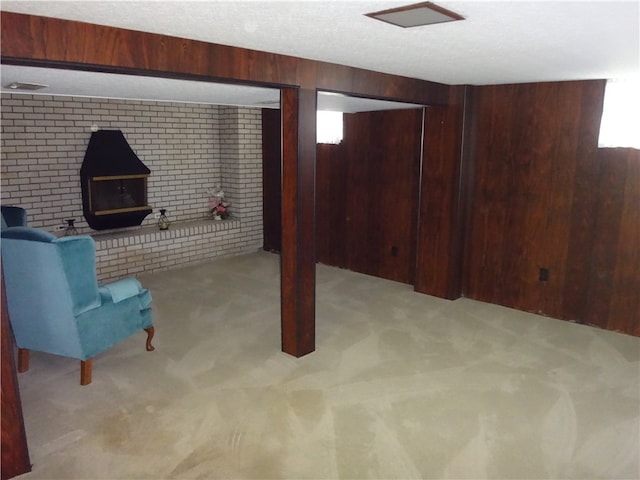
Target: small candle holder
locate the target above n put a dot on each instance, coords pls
(163, 221)
(71, 228)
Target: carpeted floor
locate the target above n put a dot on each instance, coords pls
(402, 385)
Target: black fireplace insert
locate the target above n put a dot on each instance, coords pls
(114, 182)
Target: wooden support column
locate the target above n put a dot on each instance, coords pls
(15, 455)
(298, 274)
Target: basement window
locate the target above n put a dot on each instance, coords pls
(329, 127)
(620, 123)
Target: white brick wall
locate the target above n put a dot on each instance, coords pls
(189, 149)
(241, 166)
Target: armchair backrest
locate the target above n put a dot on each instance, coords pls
(49, 281)
(13, 216)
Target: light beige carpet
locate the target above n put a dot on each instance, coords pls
(402, 385)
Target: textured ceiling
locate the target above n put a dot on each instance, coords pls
(498, 42)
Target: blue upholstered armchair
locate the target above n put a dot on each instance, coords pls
(56, 305)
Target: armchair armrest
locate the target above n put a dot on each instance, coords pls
(121, 289)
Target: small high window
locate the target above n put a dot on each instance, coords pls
(329, 127)
(620, 124)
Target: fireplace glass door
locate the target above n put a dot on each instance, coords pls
(125, 193)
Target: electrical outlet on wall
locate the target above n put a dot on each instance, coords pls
(544, 274)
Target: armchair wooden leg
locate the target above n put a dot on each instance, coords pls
(85, 371)
(150, 332)
(23, 360)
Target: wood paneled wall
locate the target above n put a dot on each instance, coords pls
(613, 300)
(545, 198)
(367, 198)
(443, 199)
(331, 204)
(536, 151)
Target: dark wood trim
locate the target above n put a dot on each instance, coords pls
(49, 42)
(15, 454)
(271, 180)
(461, 189)
(298, 107)
(467, 175)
